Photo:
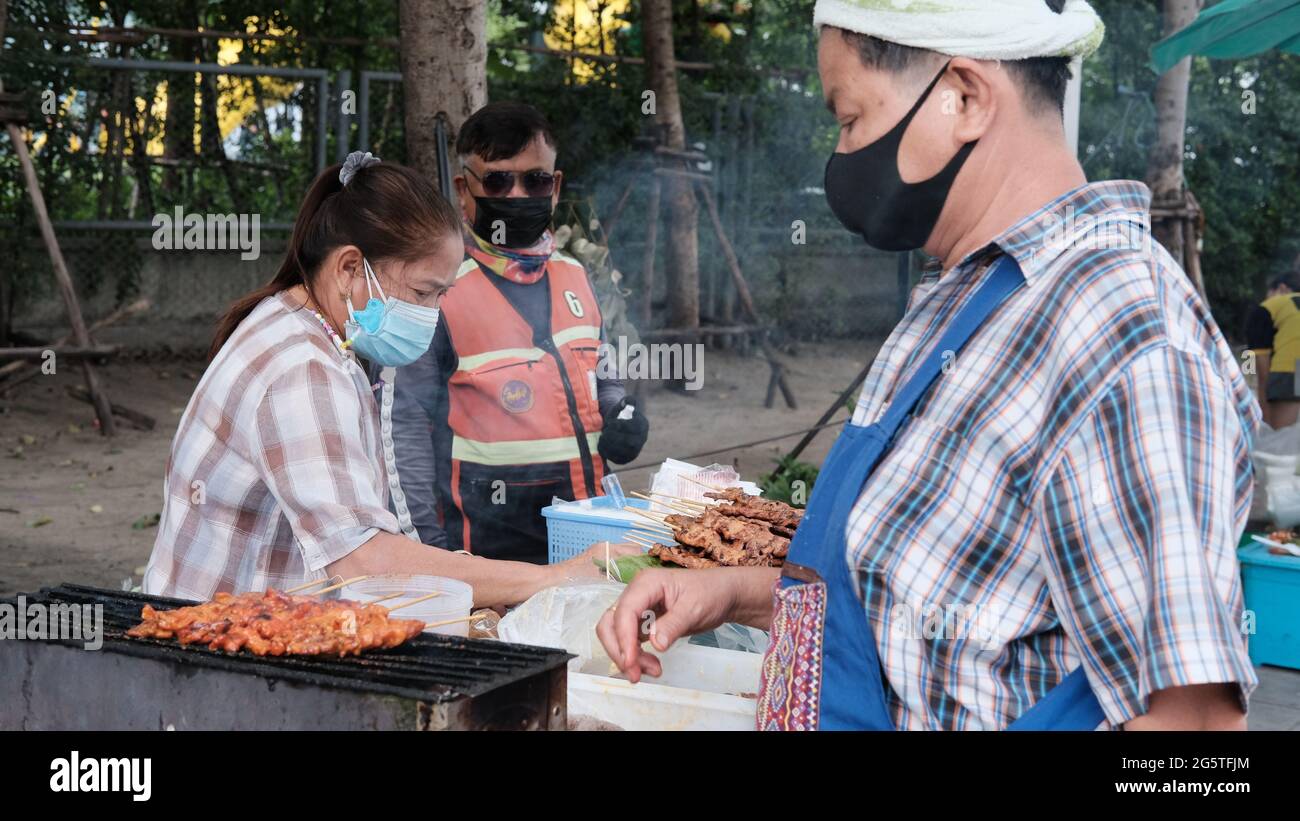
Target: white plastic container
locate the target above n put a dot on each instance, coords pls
(702, 688)
(455, 602)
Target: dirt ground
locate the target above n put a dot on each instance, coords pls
(75, 506)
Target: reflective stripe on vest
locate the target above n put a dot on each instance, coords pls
(523, 452)
(564, 337)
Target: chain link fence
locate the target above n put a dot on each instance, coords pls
(128, 149)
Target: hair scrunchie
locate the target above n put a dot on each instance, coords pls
(356, 161)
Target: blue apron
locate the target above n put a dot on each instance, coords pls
(821, 670)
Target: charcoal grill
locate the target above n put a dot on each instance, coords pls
(429, 683)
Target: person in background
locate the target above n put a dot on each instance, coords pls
(274, 477)
(1273, 334)
(505, 411)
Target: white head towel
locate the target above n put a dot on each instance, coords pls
(980, 29)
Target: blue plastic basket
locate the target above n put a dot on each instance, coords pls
(1272, 588)
(571, 530)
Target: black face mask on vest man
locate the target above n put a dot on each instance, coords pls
(525, 219)
(867, 194)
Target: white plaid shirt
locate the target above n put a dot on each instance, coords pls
(274, 472)
(1070, 492)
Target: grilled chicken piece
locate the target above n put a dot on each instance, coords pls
(729, 494)
(730, 540)
(275, 624)
(681, 558)
(739, 503)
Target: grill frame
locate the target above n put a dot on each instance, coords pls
(433, 681)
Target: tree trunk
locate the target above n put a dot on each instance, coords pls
(1165, 163)
(6, 291)
(682, 254)
(444, 69)
(178, 128)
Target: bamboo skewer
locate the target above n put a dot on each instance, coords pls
(676, 508)
(445, 622)
(647, 514)
(650, 527)
(667, 533)
(645, 541)
(653, 538)
(656, 519)
(682, 500)
(334, 587)
(307, 585)
(386, 598)
(415, 601)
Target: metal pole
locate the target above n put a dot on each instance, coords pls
(200, 68)
(363, 107)
(363, 112)
(441, 133)
(342, 139)
(322, 123)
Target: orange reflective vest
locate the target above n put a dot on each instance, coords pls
(521, 406)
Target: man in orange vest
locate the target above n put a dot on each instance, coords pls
(506, 410)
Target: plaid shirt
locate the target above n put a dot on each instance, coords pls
(1072, 489)
(274, 471)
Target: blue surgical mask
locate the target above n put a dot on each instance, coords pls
(388, 331)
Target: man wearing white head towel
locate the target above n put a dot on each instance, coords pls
(1031, 520)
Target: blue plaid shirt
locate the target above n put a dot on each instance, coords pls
(1071, 490)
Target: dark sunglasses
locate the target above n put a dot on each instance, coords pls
(501, 183)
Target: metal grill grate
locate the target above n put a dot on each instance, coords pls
(428, 668)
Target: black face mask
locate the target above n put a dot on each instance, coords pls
(867, 194)
(525, 219)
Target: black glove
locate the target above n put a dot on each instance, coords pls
(621, 440)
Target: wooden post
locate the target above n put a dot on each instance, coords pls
(607, 226)
(648, 266)
(103, 408)
(747, 302)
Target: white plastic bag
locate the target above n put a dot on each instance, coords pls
(683, 480)
(566, 616)
(1277, 487)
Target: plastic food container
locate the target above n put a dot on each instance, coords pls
(703, 688)
(574, 526)
(455, 602)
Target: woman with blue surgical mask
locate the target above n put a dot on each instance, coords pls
(277, 474)
(388, 331)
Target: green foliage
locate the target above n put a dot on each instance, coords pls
(625, 568)
(1243, 167)
(780, 483)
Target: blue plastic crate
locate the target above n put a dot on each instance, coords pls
(569, 531)
(1272, 588)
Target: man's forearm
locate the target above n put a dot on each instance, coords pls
(751, 592)
(495, 582)
(1196, 707)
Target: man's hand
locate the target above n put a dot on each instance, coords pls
(621, 440)
(675, 603)
(1196, 707)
